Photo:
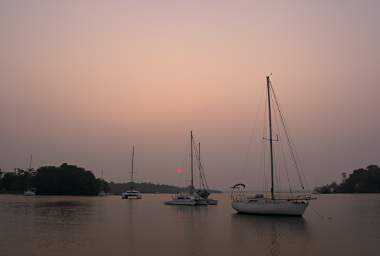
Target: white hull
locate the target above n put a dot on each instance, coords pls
(29, 193)
(190, 202)
(187, 199)
(271, 207)
(131, 195)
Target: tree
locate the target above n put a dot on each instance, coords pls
(65, 180)
(14, 182)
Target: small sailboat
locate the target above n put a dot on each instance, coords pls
(293, 205)
(101, 192)
(29, 190)
(190, 197)
(132, 193)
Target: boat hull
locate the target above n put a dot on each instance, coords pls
(29, 193)
(181, 202)
(271, 207)
(131, 195)
(212, 202)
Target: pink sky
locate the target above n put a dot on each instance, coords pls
(81, 81)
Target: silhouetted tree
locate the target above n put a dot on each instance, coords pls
(65, 180)
(14, 182)
(360, 181)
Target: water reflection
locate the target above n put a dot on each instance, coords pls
(270, 235)
(188, 212)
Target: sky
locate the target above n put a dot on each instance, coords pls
(83, 81)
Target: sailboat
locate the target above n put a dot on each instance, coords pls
(132, 193)
(191, 197)
(29, 191)
(272, 205)
(203, 190)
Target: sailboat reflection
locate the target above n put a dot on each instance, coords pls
(271, 236)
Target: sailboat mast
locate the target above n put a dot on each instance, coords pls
(133, 157)
(192, 163)
(199, 165)
(270, 138)
(30, 162)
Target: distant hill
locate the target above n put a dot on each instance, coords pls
(118, 188)
(363, 180)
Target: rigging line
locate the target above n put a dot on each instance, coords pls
(282, 151)
(264, 167)
(277, 174)
(185, 163)
(201, 171)
(276, 155)
(264, 145)
(319, 214)
(252, 135)
(290, 144)
(202, 174)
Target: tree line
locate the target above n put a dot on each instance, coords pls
(53, 180)
(363, 180)
(72, 180)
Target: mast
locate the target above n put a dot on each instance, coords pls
(192, 163)
(30, 162)
(270, 138)
(199, 165)
(133, 156)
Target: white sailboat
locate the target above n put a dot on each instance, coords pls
(191, 197)
(273, 205)
(132, 193)
(203, 190)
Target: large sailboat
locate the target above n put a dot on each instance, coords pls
(292, 204)
(193, 197)
(132, 193)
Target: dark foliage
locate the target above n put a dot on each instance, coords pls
(15, 181)
(360, 181)
(65, 180)
(50, 180)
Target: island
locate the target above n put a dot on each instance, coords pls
(363, 180)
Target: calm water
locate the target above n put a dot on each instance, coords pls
(48, 226)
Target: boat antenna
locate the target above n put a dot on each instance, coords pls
(270, 138)
(133, 156)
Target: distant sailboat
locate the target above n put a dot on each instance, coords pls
(193, 197)
(29, 190)
(101, 192)
(132, 193)
(273, 205)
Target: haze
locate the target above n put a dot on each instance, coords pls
(82, 81)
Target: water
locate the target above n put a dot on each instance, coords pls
(52, 225)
